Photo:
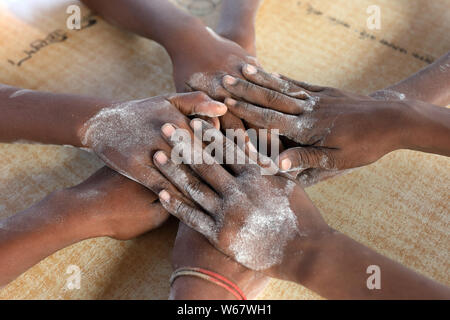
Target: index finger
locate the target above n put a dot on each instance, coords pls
(267, 80)
(197, 103)
(262, 96)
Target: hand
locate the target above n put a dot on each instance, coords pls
(203, 64)
(193, 250)
(127, 134)
(334, 130)
(249, 217)
(115, 206)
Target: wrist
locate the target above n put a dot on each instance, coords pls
(88, 110)
(391, 122)
(78, 220)
(193, 288)
(425, 127)
(300, 255)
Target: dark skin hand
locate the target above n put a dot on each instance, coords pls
(268, 223)
(194, 50)
(200, 57)
(125, 134)
(107, 205)
(334, 130)
(233, 194)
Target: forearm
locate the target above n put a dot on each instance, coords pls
(431, 84)
(44, 117)
(158, 20)
(237, 16)
(337, 268)
(425, 128)
(190, 288)
(30, 236)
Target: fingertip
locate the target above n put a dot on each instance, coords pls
(164, 196)
(160, 157)
(286, 164)
(229, 80)
(219, 109)
(230, 102)
(211, 109)
(250, 70)
(168, 129)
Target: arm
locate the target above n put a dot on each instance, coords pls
(106, 204)
(122, 134)
(278, 230)
(237, 22)
(200, 57)
(335, 266)
(431, 84)
(158, 20)
(44, 117)
(335, 130)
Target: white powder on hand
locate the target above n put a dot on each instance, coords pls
(268, 227)
(121, 126)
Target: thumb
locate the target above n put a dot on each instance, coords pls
(300, 159)
(197, 103)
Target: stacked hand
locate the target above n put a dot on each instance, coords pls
(127, 134)
(334, 130)
(250, 217)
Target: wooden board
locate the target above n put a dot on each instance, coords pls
(398, 206)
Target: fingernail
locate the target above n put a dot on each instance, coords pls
(230, 102)
(221, 107)
(249, 69)
(229, 80)
(168, 130)
(286, 164)
(160, 157)
(196, 124)
(276, 75)
(164, 195)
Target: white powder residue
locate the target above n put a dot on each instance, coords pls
(261, 241)
(121, 127)
(325, 163)
(89, 194)
(304, 123)
(19, 93)
(309, 104)
(387, 95)
(208, 83)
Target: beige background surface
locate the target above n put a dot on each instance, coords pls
(398, 206)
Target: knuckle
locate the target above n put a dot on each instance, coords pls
(269, 116)
(200, 95)
(245, 85)
(193, 188)
(203, 170)
(271, 96)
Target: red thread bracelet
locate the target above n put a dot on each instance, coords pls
(211, 277)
